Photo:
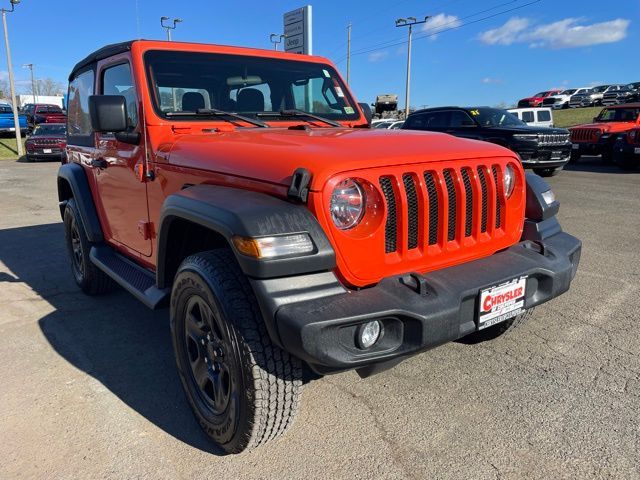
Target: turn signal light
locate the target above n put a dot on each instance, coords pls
(275, 246)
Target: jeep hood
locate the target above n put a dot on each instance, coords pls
(272, 154)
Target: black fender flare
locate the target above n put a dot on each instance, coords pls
(232, 211)
(73, 175)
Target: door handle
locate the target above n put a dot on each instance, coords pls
(100, 163)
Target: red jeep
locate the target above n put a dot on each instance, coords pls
(599, 137)
(537, 99)
(245, 190)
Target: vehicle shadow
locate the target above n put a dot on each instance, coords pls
(596, 165)
(113, 338)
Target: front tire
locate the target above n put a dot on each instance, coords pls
(575, 157)
(88, 277)
(547, 172)
(243, 389)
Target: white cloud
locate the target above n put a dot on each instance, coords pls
(440, 22)
(567, 33)
(507, 33)
(491, 81)
(378, 56)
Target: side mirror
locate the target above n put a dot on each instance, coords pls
(366, 110)
(109, 115)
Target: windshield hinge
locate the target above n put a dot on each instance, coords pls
(299, 188)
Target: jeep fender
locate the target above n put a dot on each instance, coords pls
(231, 211)
(73, 183)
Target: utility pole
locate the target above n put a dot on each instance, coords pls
(33, 82)
(169, 27)
(409, 22)
(14, 105)
(276, 39)
(348, 52)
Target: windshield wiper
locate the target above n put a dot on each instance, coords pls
(298, 113)
(212, 112)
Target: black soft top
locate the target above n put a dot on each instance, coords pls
(99, 54)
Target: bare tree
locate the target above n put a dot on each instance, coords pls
(46, 86)
(4, 88)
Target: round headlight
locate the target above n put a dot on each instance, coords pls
(347, 204)
(509, 180)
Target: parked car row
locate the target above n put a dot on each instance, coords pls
(584, 96)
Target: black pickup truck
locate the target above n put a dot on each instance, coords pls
(545, 150)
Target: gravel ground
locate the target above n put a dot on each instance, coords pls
(88, 387)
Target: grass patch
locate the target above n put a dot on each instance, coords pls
(8, 148)
(574, 116)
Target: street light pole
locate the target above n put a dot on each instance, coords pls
(33, 82)
(409, 22)
(348, 52)
(276, 40)
(169, 27)
(16, 121)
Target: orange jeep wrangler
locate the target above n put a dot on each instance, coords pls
(244, 190)
(599, 137)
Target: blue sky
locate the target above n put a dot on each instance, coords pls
(500, 59)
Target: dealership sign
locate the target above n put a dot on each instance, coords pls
(297, 30)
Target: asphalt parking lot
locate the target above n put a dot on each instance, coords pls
(88, 387)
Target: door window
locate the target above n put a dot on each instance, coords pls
(544, 116)
(461, 119)
(117, 80)
(78, 120)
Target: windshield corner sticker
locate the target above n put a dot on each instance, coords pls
(339, 92)
(348, 110)
(475, 113)
(326, 73)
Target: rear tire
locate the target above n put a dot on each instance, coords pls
(243, 389)
(498, 330)
(89, 278)
(547, 172)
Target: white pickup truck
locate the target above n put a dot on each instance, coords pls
(561, 100)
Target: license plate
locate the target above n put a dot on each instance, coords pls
(556, 154)
(501, 302)
(46, 150)
(636, 150)
(575, 146)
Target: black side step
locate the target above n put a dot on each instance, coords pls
(138, 281)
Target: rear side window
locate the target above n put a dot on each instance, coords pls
(78, 121)
(117, 80)
(544, 116)
(527, 117)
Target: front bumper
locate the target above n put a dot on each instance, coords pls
(594, 148)
(419, 312)
(545, 156)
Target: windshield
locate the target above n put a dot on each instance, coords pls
(51, 129)
(495, 117)
(189, 81)
(599, 89)
(632, 86)
(49, 109)
(5, 109)
(569, 92)
(541, 94)
(618, 115)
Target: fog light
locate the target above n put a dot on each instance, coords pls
(369, 333)
(549, 197)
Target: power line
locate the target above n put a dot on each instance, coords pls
(439, 31)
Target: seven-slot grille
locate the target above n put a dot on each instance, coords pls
(553, 138)
(583, 134)
(442, 206)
